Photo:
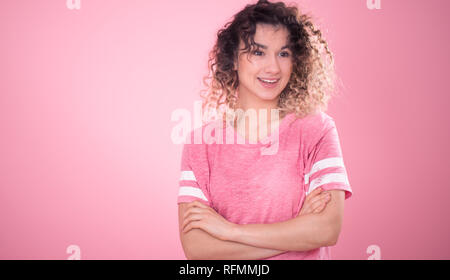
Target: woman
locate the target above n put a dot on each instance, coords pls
(281, 196)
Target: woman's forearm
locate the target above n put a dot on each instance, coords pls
(302, 233)
(198, 244)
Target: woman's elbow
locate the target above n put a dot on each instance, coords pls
(193, 245)
(189, 251)
(197, 254)
(190, 256)
(331, 235)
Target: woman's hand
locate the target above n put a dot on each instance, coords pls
(198, 215)
(315, 202)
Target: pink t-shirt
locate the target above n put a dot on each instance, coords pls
(264, 182)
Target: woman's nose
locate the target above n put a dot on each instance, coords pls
(272, 65)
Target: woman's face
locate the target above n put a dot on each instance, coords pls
(271, 61)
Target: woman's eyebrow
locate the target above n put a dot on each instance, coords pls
(265, 47)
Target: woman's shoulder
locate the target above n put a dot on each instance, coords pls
(315, 121)
(311, 128)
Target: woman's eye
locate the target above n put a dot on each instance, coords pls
(259, 53)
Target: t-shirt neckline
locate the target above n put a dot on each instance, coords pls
(266, 141)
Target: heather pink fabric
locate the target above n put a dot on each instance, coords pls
(248, 185)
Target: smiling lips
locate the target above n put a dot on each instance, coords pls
(268, 83)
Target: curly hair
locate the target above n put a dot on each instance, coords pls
(312, 80)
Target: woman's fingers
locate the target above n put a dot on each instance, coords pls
(195, 212)
(192, 217)
(315, 202)
(189, 219)
(320, 202)
(192, 213)
(313, 194)
(318, 197)
(306, 204)
(190, 226)
(195, 207)
(192, 210)
(320, 208)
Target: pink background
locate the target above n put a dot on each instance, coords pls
(86, 98)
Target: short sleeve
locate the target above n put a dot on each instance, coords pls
(326, 163)
(194, 175)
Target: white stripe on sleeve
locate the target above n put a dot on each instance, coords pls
(328, 178)
(191, 191)
(324, 163)
(187, 175)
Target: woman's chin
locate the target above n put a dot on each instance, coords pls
(268, 97)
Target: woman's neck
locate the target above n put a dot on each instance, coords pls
(256, 124)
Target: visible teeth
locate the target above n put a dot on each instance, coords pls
(268, 81)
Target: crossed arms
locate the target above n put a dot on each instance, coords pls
(205, 234)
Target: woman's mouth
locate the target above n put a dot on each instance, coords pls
(268, 83)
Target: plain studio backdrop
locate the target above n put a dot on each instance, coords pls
(88, 168)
